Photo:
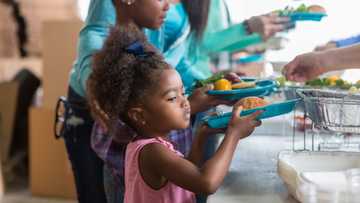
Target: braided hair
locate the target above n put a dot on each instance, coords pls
(122, 73)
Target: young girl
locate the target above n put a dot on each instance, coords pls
(131, 82)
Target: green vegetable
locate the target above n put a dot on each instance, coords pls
(281, 81)
(301, 8)
(288, 10)
(316, 82)
(212, 79)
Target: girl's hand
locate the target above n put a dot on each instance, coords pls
(242, 126)
(200, 101)
(204, 130)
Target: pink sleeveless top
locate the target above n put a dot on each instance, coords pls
(137, 191)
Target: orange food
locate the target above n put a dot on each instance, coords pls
(252, 102)
(332, 79)
(223, 84)
(242, 85)
(316, 9)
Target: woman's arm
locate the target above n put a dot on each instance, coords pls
(310, 65)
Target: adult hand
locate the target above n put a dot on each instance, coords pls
(200, 101)
(269, 24)
(304, 67)
(327, 46)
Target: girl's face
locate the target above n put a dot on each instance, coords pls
(149, 13)
(166, 107)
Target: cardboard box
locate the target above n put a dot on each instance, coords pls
(59, 54)
(8, 99)
(50, 170)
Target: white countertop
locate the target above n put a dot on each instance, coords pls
(253, 177)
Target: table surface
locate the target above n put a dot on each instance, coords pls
(253, 176)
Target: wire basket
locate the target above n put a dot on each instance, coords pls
(290, 93)
(332, 110)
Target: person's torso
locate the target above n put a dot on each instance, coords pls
(101, 17)
(137, 190)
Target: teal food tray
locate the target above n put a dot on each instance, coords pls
(270, 111)
(306, 16)
(263, 88)
(250, 59)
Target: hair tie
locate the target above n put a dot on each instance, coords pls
(137, 49)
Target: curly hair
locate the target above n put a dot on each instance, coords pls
(120, 78)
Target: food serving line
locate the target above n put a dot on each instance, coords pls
(281, 164)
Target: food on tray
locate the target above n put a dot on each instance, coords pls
(301, 9)
(210, 80)
(243, 85)
(316, 9)
(223, 84)
(252, 102)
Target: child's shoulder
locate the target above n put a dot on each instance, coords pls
(152, 145)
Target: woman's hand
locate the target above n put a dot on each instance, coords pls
(304, 67)
(269, 24)
(200, 101)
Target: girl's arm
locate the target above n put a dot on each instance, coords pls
(198, 146)
(165, 164)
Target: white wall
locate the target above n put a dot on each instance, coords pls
(342, 21)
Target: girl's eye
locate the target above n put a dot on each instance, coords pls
(172, 99)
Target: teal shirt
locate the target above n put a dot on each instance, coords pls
(220, 36)
(170, 39)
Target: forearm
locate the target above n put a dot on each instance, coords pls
(197, 149)
(341, 58)
(230, 39)
(215, 169)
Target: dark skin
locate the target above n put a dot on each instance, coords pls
(158, 164)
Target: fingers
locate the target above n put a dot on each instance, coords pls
(233, 77)
(279, 20)
(208, 87)
(290, 69)
(205, 129)
(237, 110)
(254, 115)
(256, 123)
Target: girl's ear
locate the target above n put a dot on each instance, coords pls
(136, 114)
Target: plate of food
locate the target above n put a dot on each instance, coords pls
(245, 88)
(304, 13)
(251, 105)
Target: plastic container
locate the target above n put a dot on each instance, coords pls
(319, 177)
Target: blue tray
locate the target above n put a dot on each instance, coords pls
(271, 110)
(263, 88)
(250, 58)
(305, 16)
